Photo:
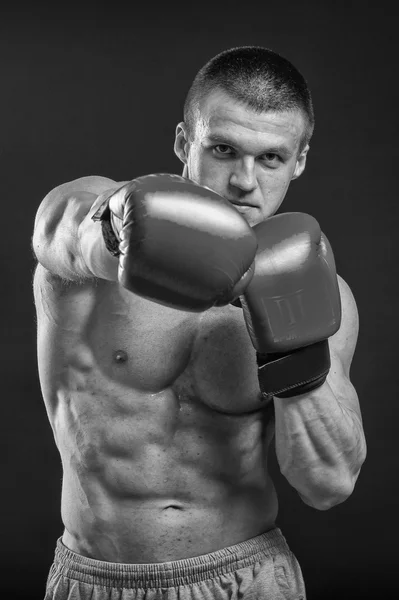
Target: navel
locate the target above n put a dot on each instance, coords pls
(120, 357)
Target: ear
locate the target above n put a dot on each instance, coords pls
(181, 142)
(300, 163)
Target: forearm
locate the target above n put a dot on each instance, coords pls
(320, 445)
(65, 239)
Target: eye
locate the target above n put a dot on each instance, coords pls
(271, 158)
(223, 149)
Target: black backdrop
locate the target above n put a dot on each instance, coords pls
(98, 91)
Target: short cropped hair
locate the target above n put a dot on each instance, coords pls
(256, 76)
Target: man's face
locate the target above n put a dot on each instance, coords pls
(246, 157)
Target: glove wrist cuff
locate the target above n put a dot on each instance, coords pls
(104, 215)
(298, 372)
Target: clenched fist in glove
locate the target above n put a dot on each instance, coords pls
(179, 244)
(292, 304)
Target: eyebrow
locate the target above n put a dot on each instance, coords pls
(225, 139)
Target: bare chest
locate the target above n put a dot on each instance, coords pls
(101, 333)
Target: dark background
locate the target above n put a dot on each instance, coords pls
(98, 91)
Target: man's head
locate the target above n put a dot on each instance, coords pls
(248, 119)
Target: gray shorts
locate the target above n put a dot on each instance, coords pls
(261, 568)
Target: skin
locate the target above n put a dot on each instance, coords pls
(246, 157)
(250, 159)
(157, 414)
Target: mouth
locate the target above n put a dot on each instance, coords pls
(242, 205)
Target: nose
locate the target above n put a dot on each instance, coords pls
(243, 176)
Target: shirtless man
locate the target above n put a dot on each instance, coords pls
(164, 404)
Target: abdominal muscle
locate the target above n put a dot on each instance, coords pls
(164, 455)
(165, 482)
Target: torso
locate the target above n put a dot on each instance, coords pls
(159, 421)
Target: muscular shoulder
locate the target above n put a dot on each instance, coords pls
(343, 342)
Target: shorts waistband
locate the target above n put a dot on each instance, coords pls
(172, 573)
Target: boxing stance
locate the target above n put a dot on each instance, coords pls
(181, 328)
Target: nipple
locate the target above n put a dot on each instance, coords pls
(120, 356)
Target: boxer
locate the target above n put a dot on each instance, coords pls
(184, 327)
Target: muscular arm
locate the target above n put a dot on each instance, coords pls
(320, 443)
(65, 240)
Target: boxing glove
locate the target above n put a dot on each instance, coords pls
(292, 304)
(179, 244)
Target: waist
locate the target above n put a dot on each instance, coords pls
(171, 573)
(163, 530)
